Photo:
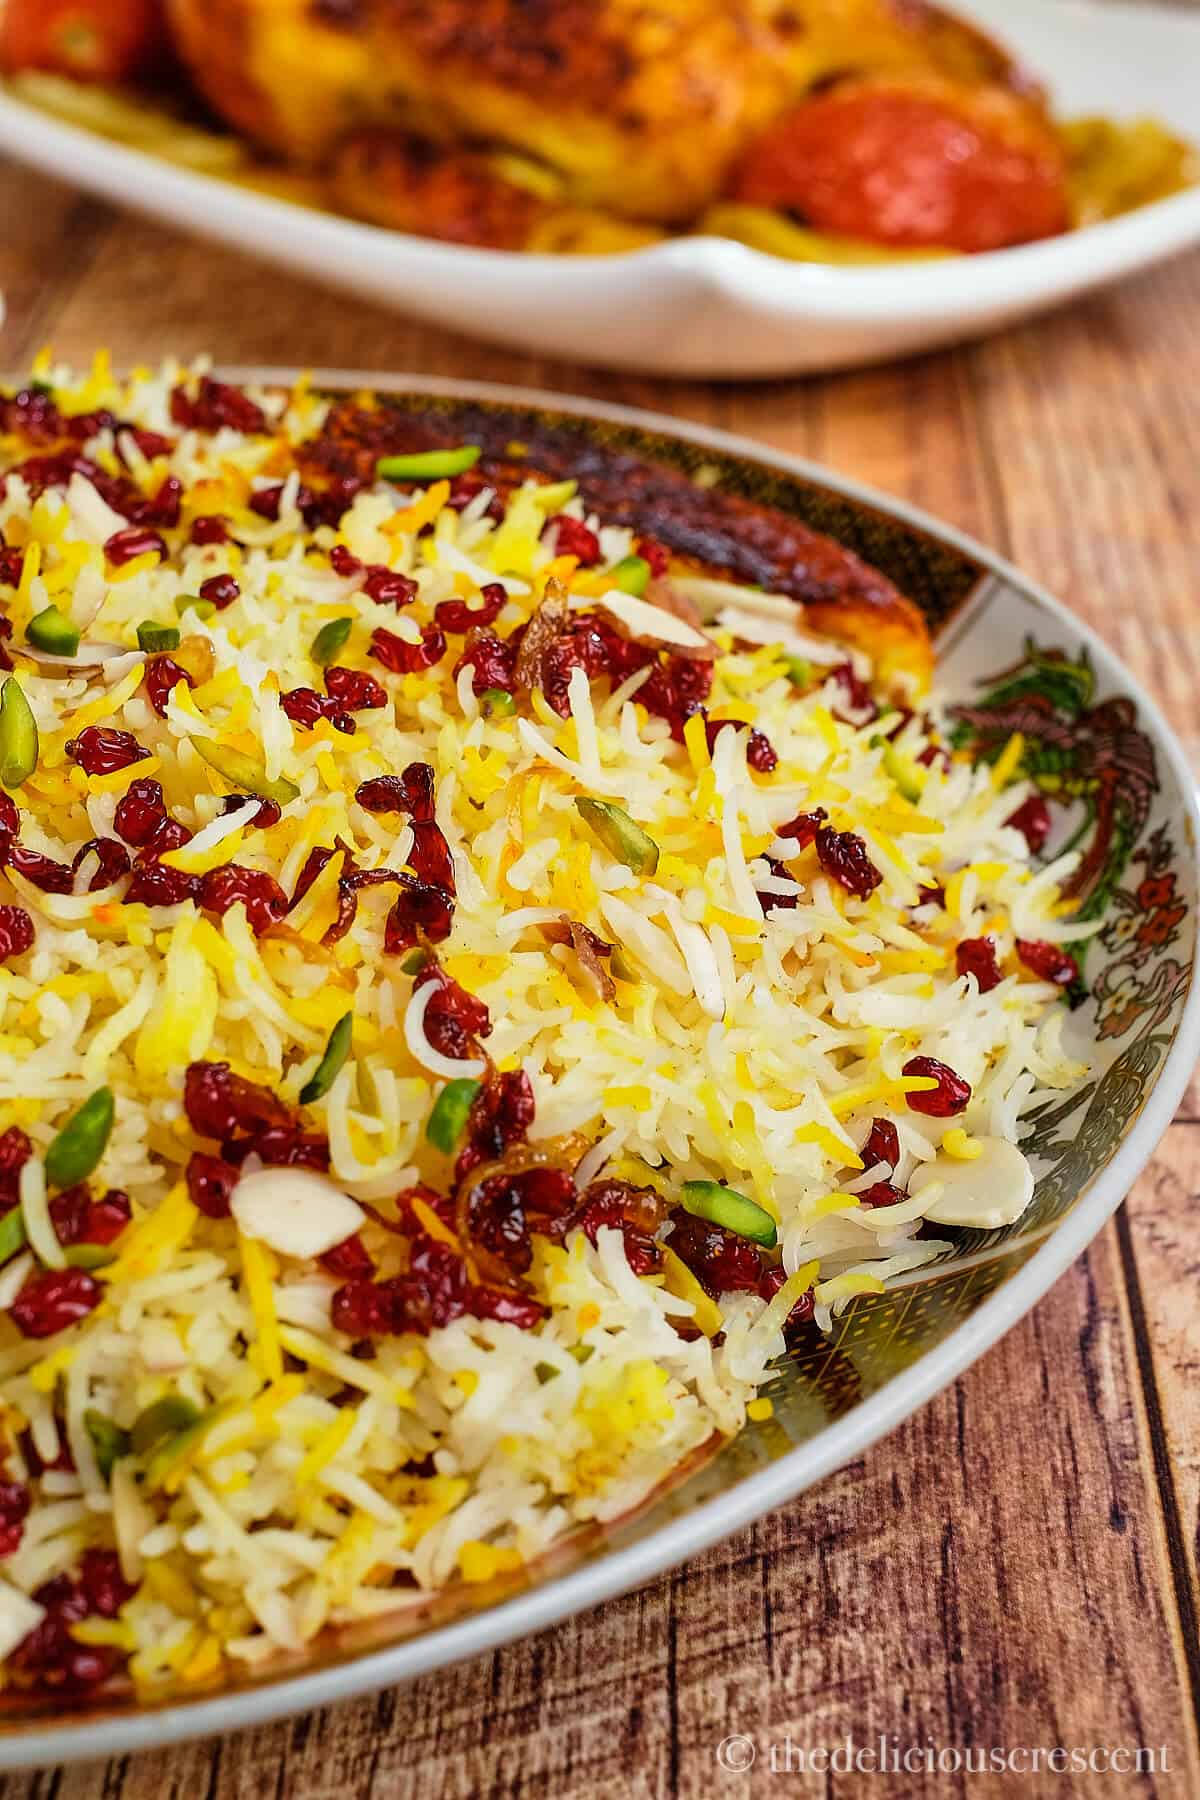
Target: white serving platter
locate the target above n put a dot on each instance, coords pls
(706, 306)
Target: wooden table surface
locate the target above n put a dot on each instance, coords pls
(1017, 1565)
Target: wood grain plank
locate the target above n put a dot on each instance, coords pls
(1162, 1266)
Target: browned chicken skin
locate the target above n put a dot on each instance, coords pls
(640, 107)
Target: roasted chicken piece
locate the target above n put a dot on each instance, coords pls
(640, 107)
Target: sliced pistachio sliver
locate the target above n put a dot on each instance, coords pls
(51, 630)
(552, 496)
(81, 1143)
(620, 834)
(12, 1234)
(428, 465)
(329, 641)
(161, 1419)
(735, 1212)
(245, 773)
(448, 1120)
(109, 1442)
(330, 1066)
(18, 735)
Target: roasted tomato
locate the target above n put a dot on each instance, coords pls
(93, 40)
(916, 162)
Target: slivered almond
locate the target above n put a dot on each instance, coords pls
(110, 660)
(294, 1211)
(651, 624)
(18, 1616)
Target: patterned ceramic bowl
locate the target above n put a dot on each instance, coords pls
(1010, 659)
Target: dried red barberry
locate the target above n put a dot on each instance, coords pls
(210, 528)
(656, 554)
(932, 894)
(571, 537)
(327, 507)
(261, 814)
(497, 1222)
(387, 587)
(843, 856)
(210, 1184)
(16, 932)
(675, 690)
(776, 902)
(363, 1308)
(506, 1307)
(403, 658)
(314, 862)
(153, 884)
(583, 642)
(344, 562)
(460, 618)
(490, 659)
(266, 501)
(112, 861)
(52, 1301)
(722, 1262)
(772, 1280)
(882, 1193)
(636, 1212)
(10, 818)
(950, 1096)
(233, 884)
(15, 1501)
(858, 694)
(454, 1018)
(219, 1103)
(1049, 961)
(15, 1152)
(430, 859)
(349, 1260)
(140, 811)
(282, 1146)
(165, 505)
(78, 1219)
(102, 750)
(977, 957)
(468, 486)
(48, 876)
(304, 706)
(214, 404)
(501, 1114)
(221, 590)
(420, 912)
(1032, 819)
(104, 1586)
(151, 443)
(132, 541)
(882, 1145)
(803, 827)
(162, 676)
(354, 689)
(50, 1656)
(410, 792)
(760, 754)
